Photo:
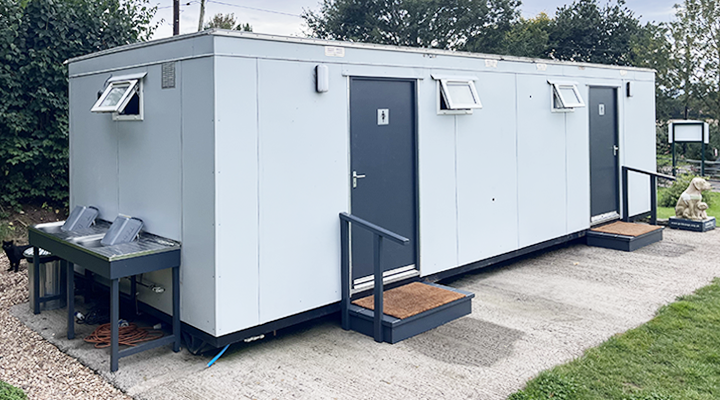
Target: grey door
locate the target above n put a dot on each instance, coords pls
(382, 142)
(604, 187)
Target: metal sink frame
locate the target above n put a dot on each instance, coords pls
(145, 254)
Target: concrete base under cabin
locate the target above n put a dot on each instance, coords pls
(527, 316)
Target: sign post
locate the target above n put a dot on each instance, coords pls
(688, 131)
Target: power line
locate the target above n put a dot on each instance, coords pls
(181, 5)
(254, 8)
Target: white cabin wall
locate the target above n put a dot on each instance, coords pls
(93, 150)
(487, 188)
(577, 161)
(236, 187)
(198, 270)
(304, 185)
(437, 179)
(542, 163)
(149, 154)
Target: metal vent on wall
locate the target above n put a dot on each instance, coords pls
(168, 75)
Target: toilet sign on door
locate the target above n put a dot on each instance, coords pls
(383, 116)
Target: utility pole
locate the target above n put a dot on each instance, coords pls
(176, 17)
(202, 15)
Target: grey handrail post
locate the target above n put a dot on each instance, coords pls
(653, 200)
(653, 192)
(626, 207)
(345, 274)
(378, 234)
(378, 288)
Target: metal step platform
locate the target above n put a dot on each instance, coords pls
(624, 236)
(410, 310)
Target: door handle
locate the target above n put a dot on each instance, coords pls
(615, 150)
(355, 178)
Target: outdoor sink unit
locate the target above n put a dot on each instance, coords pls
(97, 249)
(246, 148)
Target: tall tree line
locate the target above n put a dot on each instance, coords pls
(36, 37)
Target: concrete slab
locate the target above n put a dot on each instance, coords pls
(527, 316)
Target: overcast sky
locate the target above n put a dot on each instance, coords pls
(282, 17)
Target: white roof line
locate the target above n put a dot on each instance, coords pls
(293, 39)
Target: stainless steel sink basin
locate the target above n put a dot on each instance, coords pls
(89, 241)
(53, 227)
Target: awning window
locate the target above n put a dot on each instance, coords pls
(116, 96)
(459, 94)
(565, 96)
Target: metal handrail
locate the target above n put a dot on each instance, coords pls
(653, 192)
(346, 280)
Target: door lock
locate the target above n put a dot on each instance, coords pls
(615, 150)
(355, 178)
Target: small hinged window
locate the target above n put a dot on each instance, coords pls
(123, 97)
(457, 94)
(116, 96)
(565, 96)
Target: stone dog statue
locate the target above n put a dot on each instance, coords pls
(690, 204)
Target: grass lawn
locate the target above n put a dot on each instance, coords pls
(674, 356)
(10, 392)
(713, 211)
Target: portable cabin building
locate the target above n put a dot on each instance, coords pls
(245, 147)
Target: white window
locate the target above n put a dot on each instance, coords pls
(123, 97)
(116, 96)
(457, 95)
(565, 96)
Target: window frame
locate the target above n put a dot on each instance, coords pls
(440, 94)
(133, 88)
(452, 105)
(116, 116)
(556, 97)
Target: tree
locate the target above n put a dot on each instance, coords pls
(448, 24)
(582, 31)
(36, 37)
(528, 37)
(696, 45)
(694, 73)
(227, 21)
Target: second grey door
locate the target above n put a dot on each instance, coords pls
(382, 141)
(604, 199)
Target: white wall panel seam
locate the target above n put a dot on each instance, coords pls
(257, 187)
(181, 270)
(567, 175)
(457, 201)
(216, 184)
(517, 162)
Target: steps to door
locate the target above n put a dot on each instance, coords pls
(411, 309)
(623, 236)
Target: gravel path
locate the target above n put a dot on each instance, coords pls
(33, 364)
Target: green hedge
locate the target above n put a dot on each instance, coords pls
(36, 37)
(668, 197)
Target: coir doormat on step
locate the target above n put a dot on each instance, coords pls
(411, 299)
(626, 228)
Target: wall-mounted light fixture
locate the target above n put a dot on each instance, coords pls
(322, 78)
